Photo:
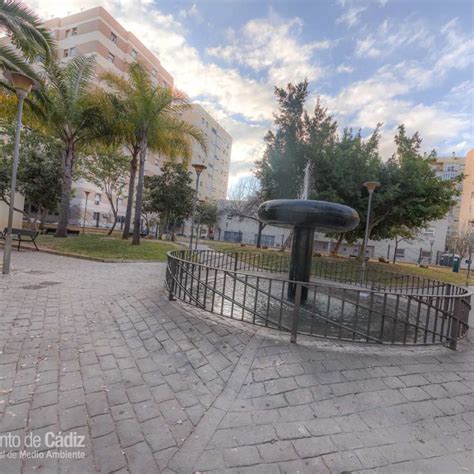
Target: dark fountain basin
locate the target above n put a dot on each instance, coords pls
(306, 216)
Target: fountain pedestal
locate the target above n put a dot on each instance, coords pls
(305, 217)
(301, 257)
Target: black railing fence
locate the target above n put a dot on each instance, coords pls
(345, 301)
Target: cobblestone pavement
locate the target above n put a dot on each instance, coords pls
(153, 385)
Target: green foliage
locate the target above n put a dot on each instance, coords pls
(410, 195)
(28, 37)
(207, 213)
(108, 168)
(39, 172)
(149, 118)
(284, 155)
(170, 194)
(73, 114)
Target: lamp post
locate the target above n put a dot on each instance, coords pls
(198, 233)
(370, 185)
(85, 212)
(22, 85)
(199, 168)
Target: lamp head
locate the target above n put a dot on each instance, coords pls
(199, 167)
(22, 83)
(371, 185)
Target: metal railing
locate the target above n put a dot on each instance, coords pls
(344, 302)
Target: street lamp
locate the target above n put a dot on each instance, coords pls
(370, 185)
(22, 85)
(199, 168)
(85, 212)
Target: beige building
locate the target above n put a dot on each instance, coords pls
(448, 168)
(466, 207)
(96, 32)
(214, 180)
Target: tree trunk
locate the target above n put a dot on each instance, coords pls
(395, 251)
(131, 192)
(139, 198)
(339, 241)
(114, 213)
(68, 167)
(261, 226)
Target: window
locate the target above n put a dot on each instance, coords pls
(110, 57)
(400, 253)
(68, 33)
(153, 72)
(113, 37)
(97, 198)
(134, 54)
(74, 32)
(69, 53)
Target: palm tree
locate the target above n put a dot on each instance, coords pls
(28, 38)
(75, 114)
(150, 122)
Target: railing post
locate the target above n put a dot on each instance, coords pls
(171, 271)
(455, 325)
(296, 313)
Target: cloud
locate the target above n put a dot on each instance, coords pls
(351, 16)
(191, 12)
(344, 68)
(391, 36)
(272, 45)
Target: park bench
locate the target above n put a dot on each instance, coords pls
(18, 234)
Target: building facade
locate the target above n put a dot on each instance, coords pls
(215, 178)
(96, 32)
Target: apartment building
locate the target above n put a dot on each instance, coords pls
(449, 168)
(214, 180)
(96, 32)
(466, 207)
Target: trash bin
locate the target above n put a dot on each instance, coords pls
(456, 263)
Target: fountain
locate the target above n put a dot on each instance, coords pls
(306, 216)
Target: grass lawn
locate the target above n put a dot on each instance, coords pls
(433, 272)
(101, 246)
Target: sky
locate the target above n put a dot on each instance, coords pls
(368, 61)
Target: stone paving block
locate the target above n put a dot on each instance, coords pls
(96, 403)
(342, 462)
(277, 451)
(414, 394)
(241, 456)
(312, 447)
(140, 458)
(291, 430)
(129, 432)
(371, 457)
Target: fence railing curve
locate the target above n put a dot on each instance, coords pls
(374, 306)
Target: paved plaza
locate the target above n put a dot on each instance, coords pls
(153, 386)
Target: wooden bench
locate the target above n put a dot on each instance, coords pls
(18, 234)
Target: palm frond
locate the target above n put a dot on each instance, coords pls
(24, 29)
